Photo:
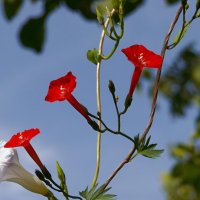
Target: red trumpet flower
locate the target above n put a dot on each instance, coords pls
(61, 89)
(141, 57)
(23, 139)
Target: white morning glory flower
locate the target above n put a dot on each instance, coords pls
(11, 170)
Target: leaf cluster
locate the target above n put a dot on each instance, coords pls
(145, 148)
(97, 193)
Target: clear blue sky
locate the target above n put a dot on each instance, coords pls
(65, 135)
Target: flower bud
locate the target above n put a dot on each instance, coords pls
(197, 4)
(127, 102)
(111, 87)
(94, 125)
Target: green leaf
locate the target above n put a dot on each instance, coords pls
(11, 8)
(181, 34)
(32, 34)
(97, 193)
(151, 152)
(92, 56)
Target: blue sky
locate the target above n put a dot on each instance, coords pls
(65, 135)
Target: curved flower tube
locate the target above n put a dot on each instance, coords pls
(61, 89)
(11, 170)
(141, 57)
(23, 139)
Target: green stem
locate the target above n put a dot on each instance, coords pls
(126, 136)
(98, 94)
(184, 25)
(113, 28)
(111, 52)
(106, 32)
(117, 110)
(110, 130)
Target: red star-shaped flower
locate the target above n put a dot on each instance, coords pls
(141, 57)
(61, 89)
(23, 139)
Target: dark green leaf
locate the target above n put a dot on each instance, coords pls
(51, 5)
(32, 34)
(92, 56)
(11, 8)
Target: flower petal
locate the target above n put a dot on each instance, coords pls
(59, 89)
(22, 138)
(141, 57)
(11, 170)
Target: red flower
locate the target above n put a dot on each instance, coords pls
(141, 57)
(23, 139)
(61, 89)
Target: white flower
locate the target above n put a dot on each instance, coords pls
(11, 170)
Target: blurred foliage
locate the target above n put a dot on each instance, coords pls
(32, 33)
(180, 84)
(183, 181)
(172, 1)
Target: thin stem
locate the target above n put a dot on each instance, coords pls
(131, 153)
(60, 189)
(117, 111)
(156, 83)
(110, 130)
(111, 52)
(184, 26)
(106, 32)
(126, 136)
(98, 94)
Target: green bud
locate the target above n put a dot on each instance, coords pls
(60, 173)
(127, 102)
(111, 87)
(197, 4)
(100, 17)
